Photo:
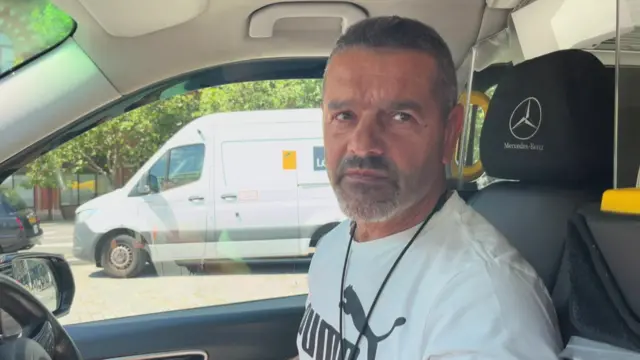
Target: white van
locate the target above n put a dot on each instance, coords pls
(246, 185)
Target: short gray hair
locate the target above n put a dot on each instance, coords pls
(395, 32)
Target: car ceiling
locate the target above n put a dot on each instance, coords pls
(181, 36)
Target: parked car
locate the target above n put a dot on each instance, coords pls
(19, 225)
(191, 202)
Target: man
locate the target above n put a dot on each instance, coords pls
(416, 273)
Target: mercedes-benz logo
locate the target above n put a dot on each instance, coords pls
(526, 119)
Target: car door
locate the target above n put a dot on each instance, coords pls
(176, 212)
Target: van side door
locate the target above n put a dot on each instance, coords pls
(255, 201)
(317, 203)
(177, 208)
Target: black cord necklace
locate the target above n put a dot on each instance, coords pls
(438, 207)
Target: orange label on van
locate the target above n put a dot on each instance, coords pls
(289, 160)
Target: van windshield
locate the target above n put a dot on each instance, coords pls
(29, 28)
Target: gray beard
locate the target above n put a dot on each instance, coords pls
(363, 207)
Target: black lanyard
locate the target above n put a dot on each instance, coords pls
(438, 207)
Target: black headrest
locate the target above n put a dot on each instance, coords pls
(567, 137)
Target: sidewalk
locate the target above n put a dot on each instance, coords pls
(56, 221)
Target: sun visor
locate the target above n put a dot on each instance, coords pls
(545, 26)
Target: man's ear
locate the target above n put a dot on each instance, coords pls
(452, 130)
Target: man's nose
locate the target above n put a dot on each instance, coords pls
(366, 138)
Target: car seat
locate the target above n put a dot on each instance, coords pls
(550, 129)
(604, 287)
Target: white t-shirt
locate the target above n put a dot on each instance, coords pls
(461, 292)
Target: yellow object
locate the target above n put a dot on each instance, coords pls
(289, 161)
(470, 173)
(621, 201)
(86, 185)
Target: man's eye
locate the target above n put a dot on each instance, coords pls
(402, 117)
(344, 116)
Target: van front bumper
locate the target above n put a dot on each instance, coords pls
(84, 242)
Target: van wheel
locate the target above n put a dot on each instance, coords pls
(318, 234)
(121, 259)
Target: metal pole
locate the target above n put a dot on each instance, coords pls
(617, 98)
(465, 127)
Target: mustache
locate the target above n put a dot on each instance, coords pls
(379, 163)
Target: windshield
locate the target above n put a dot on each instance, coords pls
(28, 28)
(12, 200)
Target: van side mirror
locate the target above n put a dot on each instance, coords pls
(143, 188)
(154, 185)
(148, 185)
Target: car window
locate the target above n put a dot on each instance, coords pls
(159, 168)
(248, 156)
(479, 121)
(11, 200)
(484, 180)
(185, 164)
(473, 167)
(28, 28)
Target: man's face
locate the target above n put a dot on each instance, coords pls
(386, 140)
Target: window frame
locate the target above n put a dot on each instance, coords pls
(166, 156)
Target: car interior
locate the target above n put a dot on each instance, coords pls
(564, 195)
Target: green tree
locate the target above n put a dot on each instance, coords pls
(131, 138)
(32, 26)
(262, 95)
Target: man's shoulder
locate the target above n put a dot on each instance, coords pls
(339, 234)
(332, 241)
(328, 247)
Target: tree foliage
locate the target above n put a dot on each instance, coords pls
(32, 26)
(131, 138)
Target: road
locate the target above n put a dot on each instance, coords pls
(58, 239)
(99, 297)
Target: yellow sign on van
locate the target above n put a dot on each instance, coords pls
(289, 160)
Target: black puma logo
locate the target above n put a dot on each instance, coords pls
(351, 305)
